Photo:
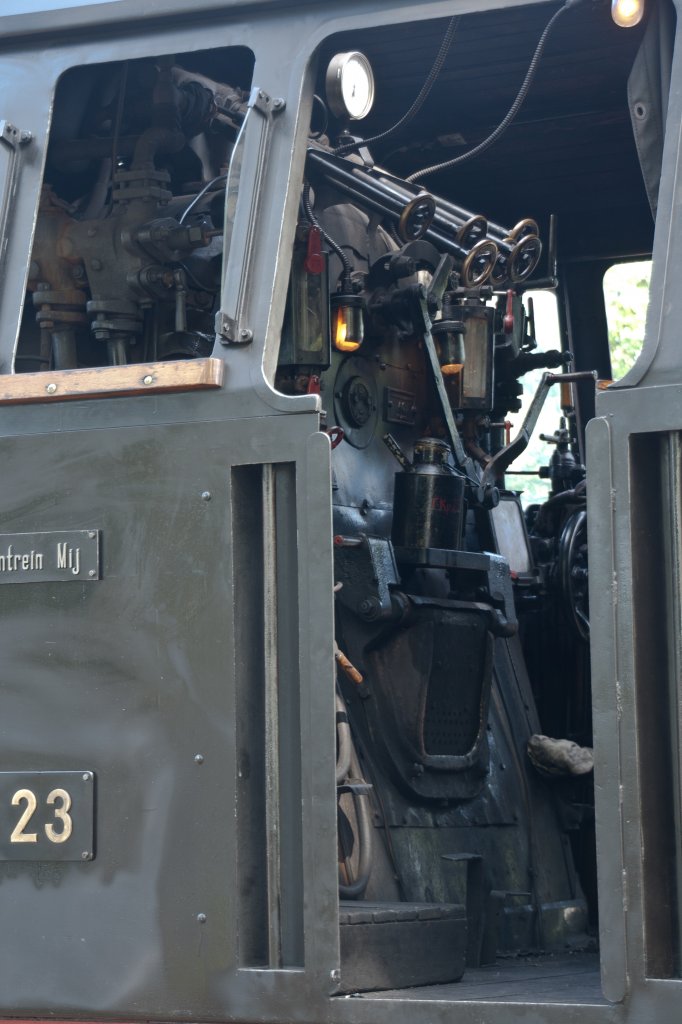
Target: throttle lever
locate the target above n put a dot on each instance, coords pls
(440, 279)
(499, 463)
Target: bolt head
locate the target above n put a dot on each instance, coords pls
(148, 379)
(201, 918)
(369, 608)
(86, 855)
(87, 776)
(92, 573)
(205, 495)
(51, 388)
(199, 758)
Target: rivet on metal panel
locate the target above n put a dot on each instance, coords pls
(206, 495)
(199, 758)
(87, 776)
(91, 573)
(201, 918)
(86, 855)
(335, 975)
(92, 534)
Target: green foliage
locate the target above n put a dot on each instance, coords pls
(626, 294)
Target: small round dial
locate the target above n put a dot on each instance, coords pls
(350, 85)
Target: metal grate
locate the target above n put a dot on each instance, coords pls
(452, 713)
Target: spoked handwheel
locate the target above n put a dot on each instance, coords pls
(573, 572)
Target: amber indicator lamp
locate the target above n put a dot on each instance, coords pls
(627, 13)
(449, 338)
(348, 324)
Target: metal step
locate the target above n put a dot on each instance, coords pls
(399, 945)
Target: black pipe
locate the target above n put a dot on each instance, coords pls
(391, 198)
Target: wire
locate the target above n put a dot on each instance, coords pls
(325, 118)
(199, 196)
(119, 115)
(513, 110)
(433, 74)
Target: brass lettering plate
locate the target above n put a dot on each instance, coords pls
(55, 557)
(47, 815)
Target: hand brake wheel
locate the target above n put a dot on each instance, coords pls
(573, 572)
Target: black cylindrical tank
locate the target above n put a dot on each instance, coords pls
(428, 502)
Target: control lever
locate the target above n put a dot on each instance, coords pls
(440, 280)
(504, 458)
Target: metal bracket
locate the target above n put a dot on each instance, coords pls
(367, 568)
(15, 138)
(243, 194)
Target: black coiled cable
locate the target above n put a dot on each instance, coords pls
(433, 74)
(513, 110)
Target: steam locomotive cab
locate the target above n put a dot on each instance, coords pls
(262, 409)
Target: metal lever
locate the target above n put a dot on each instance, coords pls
(486, 494)
(395, 450)
(15, 139)
(441, 278)
(504, 458)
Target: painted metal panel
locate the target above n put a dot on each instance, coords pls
(134, 678)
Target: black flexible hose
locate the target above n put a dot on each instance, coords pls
(433, 74)
(345, 262)
(513, 110)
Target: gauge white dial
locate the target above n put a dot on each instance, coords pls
(350, 85)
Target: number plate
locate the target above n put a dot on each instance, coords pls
(47, 815)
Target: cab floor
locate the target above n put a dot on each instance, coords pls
(566, 978)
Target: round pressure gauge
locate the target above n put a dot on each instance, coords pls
(350, 85)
